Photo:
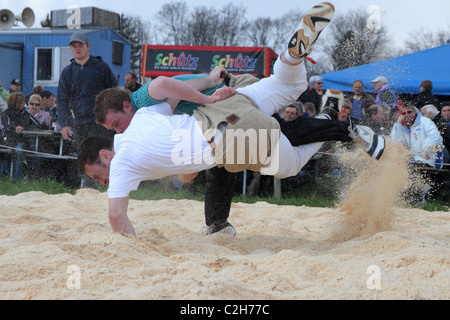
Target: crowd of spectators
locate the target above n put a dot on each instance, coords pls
(421, 124)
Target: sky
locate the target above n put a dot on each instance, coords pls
(400, 16)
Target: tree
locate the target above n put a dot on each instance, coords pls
(351, 42)
(173, 18)
(231, 24)
(135, 31)
(258, 32)
(425, 39)
(202, 27)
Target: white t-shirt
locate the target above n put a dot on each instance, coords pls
(157, 144)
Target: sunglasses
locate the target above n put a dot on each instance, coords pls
(35, 104)
(406, 112)
(319, 82)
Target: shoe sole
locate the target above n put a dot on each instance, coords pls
(311, 26)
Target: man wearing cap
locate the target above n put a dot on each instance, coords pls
(80, 82)
(384, 94)
(16, 86)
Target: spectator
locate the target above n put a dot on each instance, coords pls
(15, 86)
(425, 96)
(346, 111)
(360, 100)
(431, 111)
(79, 83)
(4, 94)
(446, 110)
(315, 94)
(292, 111)
(131, 82)
(36, 90)
(35, 109)
(14, 120)
(420, 135)
(379, 119)
(3, 105)
(384, 94)
(49, 105)
(310, 109)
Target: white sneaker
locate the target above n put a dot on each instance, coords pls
(224, 228)
(312, 24)
(374, 144)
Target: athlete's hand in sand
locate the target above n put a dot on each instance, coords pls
(221, 94)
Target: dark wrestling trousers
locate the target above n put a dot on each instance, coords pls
(219, 187)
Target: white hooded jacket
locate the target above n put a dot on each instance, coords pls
(423, 138)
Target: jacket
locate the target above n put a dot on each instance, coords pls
(387, 96)
(13, 118)
(77, 88)
(423, 138)
(424, 98)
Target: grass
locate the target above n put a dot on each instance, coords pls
(321, 193)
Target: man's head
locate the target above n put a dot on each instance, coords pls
(358, 87)
(429, 111)
(113, 109)
(376, 112)
(130, 80)
(79, 46)
(409, 112)
(94, 158)
(426, 85)
(48, 100)
(292, 111)
(16, 85)
(310, 108)
(379, 82)
(445, 111)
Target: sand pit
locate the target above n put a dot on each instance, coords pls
(62, 247)
(280, 252)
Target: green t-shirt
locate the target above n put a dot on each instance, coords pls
(141, 99)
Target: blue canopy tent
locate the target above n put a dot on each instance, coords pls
(404, 73)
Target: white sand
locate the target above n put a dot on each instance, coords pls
(280, 252)
(368, 248)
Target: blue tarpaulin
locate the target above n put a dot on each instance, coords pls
(404, 73)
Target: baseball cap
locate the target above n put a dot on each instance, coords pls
(16, 82)
(379, 78)
(78, 36)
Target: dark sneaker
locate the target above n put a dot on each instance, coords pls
(312, 24)
(224, 228)
(374, 144)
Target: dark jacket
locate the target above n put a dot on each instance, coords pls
(444, 129)
(77, 88)
(312, 96)
(13, 118)
(424, 98)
